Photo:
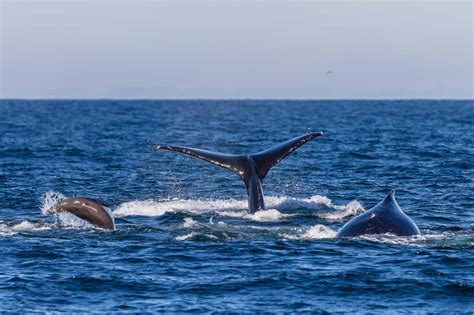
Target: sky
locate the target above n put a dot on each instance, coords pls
(139, 49)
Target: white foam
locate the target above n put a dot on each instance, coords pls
(185, 237)
(5, 229)
(351, 209)
(24, 226)
(259, 216)
(265, 215)
(415, 240)
(28, 226)
(320, 206)
(234, 214)
(160, 207)
(317, 231)
(194, 235)
(189, 222)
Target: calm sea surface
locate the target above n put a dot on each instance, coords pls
(183, 239)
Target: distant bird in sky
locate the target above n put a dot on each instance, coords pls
(329, 72)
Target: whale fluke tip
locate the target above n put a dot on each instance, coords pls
(392, 193)
(162, 147)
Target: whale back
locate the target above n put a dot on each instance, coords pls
(90, 210)
(385, 217)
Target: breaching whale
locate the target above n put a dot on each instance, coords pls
(385, 217)
(90, 210)
(252, 168)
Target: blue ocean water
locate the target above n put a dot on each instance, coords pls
(183, 239)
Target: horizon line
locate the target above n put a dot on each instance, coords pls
(232, 99)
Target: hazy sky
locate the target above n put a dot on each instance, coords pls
(236, 49)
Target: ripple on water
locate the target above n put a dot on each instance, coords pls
(184, 240)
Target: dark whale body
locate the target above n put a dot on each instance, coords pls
(252, 168)
(90, 210)
(386, 217)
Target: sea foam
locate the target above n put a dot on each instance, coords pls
(278, 208)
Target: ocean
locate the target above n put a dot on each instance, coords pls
(184, 241)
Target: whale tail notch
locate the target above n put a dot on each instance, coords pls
(246, 165)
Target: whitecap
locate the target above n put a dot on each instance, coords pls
(189, 222)
(185, 237)
(194, 235)
(317, 231)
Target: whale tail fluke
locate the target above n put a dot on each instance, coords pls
(236, 163)
(245, 165)
(265, 160)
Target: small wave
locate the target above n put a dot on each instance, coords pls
(199, 236)
(320, 206)
(196, 236)
(189, 222)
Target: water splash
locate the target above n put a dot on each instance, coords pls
(49, 200)
(319, 206)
